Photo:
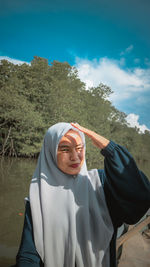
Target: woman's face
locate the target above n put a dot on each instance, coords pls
(70, 154)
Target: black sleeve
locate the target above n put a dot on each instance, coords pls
(27, 255)
(127, 189)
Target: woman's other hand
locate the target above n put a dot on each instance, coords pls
(98, 140)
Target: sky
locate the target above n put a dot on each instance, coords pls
(107, 41)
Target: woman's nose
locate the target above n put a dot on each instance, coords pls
(74, 155)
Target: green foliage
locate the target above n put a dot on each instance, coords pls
(20, 123)
(34, 97)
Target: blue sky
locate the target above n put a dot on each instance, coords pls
(108, 41)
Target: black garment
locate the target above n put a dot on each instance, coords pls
(127, 193)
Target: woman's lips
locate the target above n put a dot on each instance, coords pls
(76, 165)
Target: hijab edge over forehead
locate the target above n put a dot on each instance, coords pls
(62, 128)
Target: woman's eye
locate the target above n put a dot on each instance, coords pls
(65, 150)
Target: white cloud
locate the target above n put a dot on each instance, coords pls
(13, 60)
(131, 87)
(127, 50)
(124, 83)
(132, 120)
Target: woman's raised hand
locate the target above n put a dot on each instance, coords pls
(98, 140)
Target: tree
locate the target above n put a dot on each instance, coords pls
(34, 97)
(18, 119)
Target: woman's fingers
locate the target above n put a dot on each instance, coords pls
(86, 131)
(82, 129)
(98, 140)
(78, 126)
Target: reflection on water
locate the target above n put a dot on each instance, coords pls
(15, 176)
(7, 252)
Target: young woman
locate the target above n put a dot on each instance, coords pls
(72, 215)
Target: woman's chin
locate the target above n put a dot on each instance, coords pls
(73, 171)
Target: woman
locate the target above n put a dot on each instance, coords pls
(73, 214)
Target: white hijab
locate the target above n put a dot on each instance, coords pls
(71, 222)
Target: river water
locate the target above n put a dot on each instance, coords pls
(15, 176)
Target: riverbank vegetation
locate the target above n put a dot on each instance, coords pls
(34, 97)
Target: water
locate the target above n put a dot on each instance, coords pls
(15, 176)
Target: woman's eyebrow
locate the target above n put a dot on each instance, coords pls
(62, 146)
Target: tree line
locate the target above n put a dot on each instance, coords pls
(34, 97)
